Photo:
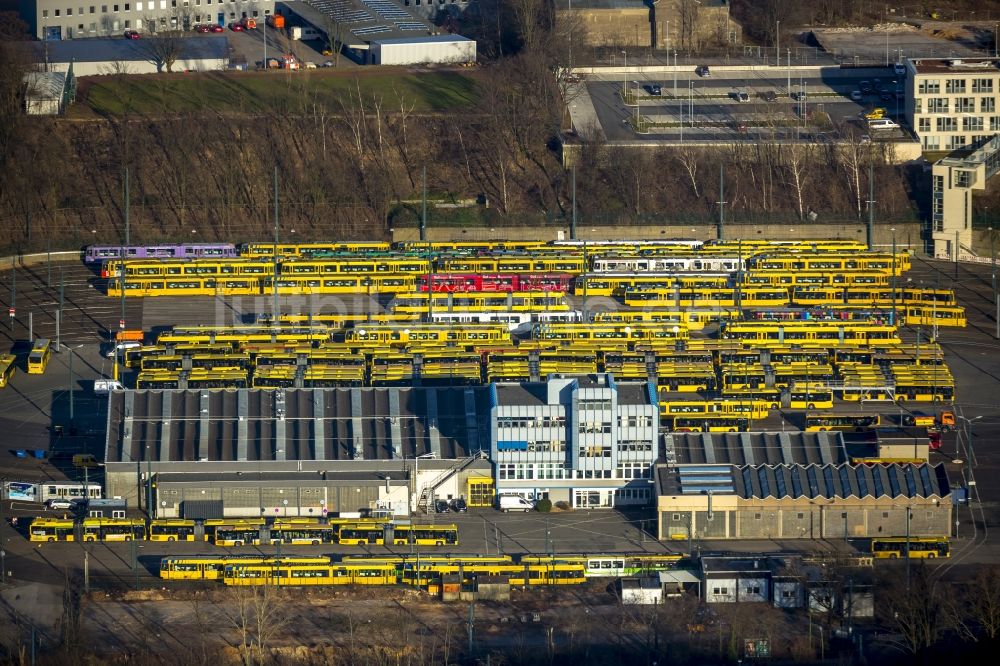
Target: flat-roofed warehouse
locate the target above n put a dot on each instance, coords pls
(234, 446)
(379, 31)
(793, 486)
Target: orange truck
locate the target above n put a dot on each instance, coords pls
(129, 336)
(276, 21)
(248, 23)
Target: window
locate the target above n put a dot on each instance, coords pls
(885, 514)
(104, 9)
(675, 517)
(127, 6)
(843, 514)
(982, 85)
(138, 6)
(93, 27)
(972, 124)
(965, 105)
(924, 125)
(753, 589)
(954, 86)
(720, 590)
(995, 123)
(937, 105)
(757, 516)
(956, 142)
(947, 124)
(988, 104)
(918, 105)
(69, 11)
(929, 87)
(45, 13)
(801, 515)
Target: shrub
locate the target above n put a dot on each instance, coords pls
(543, 505)
(562, 505)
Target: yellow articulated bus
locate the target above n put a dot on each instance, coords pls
(512, 264)
(612, 565)
(137, 270)
(113, 529)
(567, 361)
(685, 378)
(693, 320)
(7, 364)
(425, 535)
(914, 547)
(627, 333)
(616, 284)
(51, 529)
(826, 334)
(171, 529)
(39, 356)
(468, 301)
(212, 524)
(293, 575)
(754, 409)
(360, 534)
(451, 365)
(843, 422)
(710, 423)
(399, 335)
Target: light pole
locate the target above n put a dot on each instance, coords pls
(788, 84)
(777, 44)
(625, 78)
(970, 453)
(893, 230)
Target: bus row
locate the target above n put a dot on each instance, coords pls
(780, 297)
(251, 532)
(99, 253)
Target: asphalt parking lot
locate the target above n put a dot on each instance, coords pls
(710, 107)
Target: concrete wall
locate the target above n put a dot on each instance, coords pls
(661, 28)
(907, 234)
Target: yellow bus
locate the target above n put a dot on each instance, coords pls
(939, 315)
(171, 529)
(612, 565)
(212, 567)
(769, 397)
(38, 358)
(710, 423)
(754, 409)
(425, 535)
(211, 524)
(51, 529)
(113, 529)
(421, 572)
(914, 547)
(238, 534)
(806, 398)
(810, 333)
(359, 534)
(489, 301)
(301, 532)
(7, 362)
(844, 422)
(399, 335)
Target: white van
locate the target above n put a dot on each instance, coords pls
(508, 503)
(883, 124)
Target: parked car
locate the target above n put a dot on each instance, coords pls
(327, 63)
(799, 96)
(309, 64)
(741, 96)
(441, 506)
(202, 28)
(236, 27)
(132, 34)
(215, 28)
(703, 71)
(769, 96)
(654, 89)
(865, 86)
(899, 69)
(59, 504)
(458, 505)
(856, 95)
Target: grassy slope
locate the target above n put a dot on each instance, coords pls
(255, 92)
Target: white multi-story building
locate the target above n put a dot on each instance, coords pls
(68, 19)
(951, 104)
(588, 441)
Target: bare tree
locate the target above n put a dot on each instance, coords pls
(915, 607)
(164, 48)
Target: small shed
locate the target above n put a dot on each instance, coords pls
(676, 582)
(44, 93)
(642, 590)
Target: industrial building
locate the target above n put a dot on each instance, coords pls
(126, 56)
(59, 19)
(297, 452)
(434, 49)
(793, 486)
(590, 442)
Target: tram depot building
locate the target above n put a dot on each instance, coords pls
(591, 442)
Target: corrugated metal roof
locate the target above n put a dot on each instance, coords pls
(841, 481)
(45, 85)
(210, 47)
